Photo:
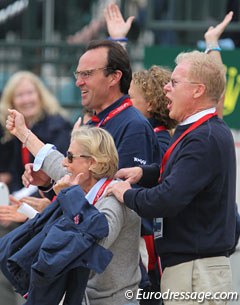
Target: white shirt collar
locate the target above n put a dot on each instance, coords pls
(193, 118)
(93, 192)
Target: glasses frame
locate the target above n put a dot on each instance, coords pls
(70, 156)
(174, 82)
(84, 74)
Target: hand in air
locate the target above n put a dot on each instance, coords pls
(15, 123)
(117, 27)
(214, 32)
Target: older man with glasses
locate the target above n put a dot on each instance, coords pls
(192, 195)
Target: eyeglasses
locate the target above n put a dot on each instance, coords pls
(175, 82)
(70, 156)
(86, 73)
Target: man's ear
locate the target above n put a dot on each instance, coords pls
(116, 76)
(199, 90)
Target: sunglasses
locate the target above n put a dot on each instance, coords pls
(70, 156)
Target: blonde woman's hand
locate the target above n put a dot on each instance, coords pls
(39, 178)
(67, 181)
(16, 125)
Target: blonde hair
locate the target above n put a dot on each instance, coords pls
(152, 82)
(207, 70)
(48, 101)
(98, 143)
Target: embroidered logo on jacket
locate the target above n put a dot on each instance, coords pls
(141, 161)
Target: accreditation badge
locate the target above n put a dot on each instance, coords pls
(158, 228)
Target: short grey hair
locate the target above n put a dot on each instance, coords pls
(207, 70)
(99, 144)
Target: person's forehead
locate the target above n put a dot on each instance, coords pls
(182, 69)
(75, 146)
(23, 85)
(26, 82)
(95, 58)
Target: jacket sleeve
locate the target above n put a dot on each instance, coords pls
(65, 248)
(52, 165)
(10, 246)
(181, 183)
(137, 146)
(77, 231)
(150, 176)
(114, 213)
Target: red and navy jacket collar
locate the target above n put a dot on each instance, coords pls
(101, 115)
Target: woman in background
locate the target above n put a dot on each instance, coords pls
(147, 94)
(26, 93)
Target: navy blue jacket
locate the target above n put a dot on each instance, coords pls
(54, 252)
(163, 137)
(6, 153)
(133, 135)
(196, 195)
(135, 140)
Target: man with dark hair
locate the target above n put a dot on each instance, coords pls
(103, 75)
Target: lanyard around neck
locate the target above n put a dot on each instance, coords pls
(124, 105)
(192, 127)
(101, 190)
(159, 128)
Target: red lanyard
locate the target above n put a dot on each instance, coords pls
(125, 104)
(76, 219)
(159, 128)
(192, 127)
(101, 190)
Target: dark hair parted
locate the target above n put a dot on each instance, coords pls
(118, 59)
